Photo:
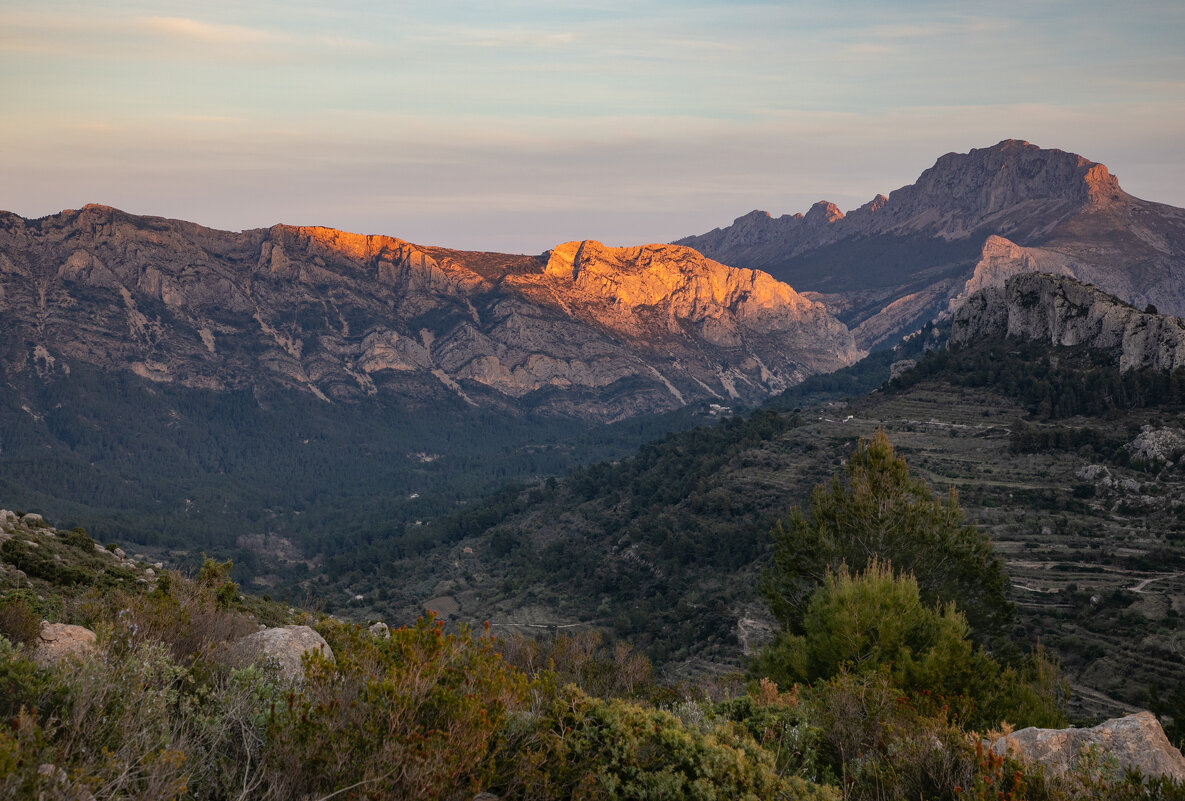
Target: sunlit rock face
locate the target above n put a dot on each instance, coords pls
(970, 221)
(585, 329)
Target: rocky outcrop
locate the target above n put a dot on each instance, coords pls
(970, 221)
(599, 332)
(1135, 741)
(1163, 445)
(279, 648)
(1001, 259)
(60, 641)
(1063, 311)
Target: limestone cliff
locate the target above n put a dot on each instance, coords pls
(967, 222)
(589, 330)
(1063, 311)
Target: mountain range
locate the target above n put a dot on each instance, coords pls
(970, 221)
(583, 330)
(329, 408)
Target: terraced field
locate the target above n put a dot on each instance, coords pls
(663, 549)
(1096, 554)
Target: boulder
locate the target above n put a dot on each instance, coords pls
(1136, 741)
(380, 630)
(281, 648)
(58, 641)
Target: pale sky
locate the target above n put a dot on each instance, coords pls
(519, 125)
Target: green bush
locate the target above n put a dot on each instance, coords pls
(25, 686)
(424, 707)
(78, 538)
(20, 617)
(884, 746)
(775, 720)
(875, 621)
(588, 748)
(876, 510)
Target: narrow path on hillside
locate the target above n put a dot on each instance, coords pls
(1140, 585)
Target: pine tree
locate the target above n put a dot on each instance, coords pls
(876, 510)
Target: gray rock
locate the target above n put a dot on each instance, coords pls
(1091, 472)
(901, 367)
(1157, 444)
(380, 630)
(59, 641)
(1063, 311)
(1135, 741)
(280, 648)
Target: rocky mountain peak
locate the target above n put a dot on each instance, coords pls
(823, 213)
(653, 275)
(988, 180)
(970, 220)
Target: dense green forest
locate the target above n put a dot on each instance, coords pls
(1052, 384)
(190, 469)
(180, 469)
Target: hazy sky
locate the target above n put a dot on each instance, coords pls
(519, 125)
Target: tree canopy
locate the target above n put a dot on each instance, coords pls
(877, 510)
(874, 622)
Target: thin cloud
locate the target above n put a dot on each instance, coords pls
(509, 38)
(933, 30)
(868, 49)
(208, 32)
(206, 118)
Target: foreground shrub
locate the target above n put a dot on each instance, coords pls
(875, 621)
(413, 716)
(188, 616)
(589, 748)
(125, 731)
(1093, 776)
(25, 686)
(20, 617)
(776, 721)
(583, 659)
(882, 745)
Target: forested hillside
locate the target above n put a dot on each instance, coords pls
(183, 469)
(121, 680)
(1055, 453)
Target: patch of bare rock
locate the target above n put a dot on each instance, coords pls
(1157, 445)
(61, 641)
(1134, 741)
(281, 648)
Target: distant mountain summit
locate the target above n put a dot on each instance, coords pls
(971, 220)
(603, 333)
